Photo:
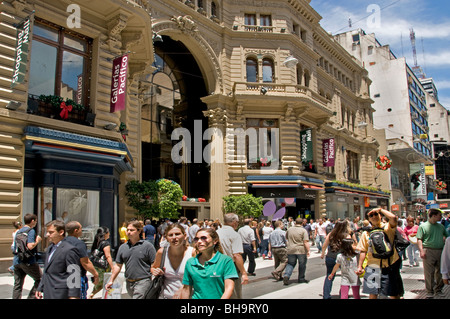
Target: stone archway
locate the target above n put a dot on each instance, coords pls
(184, 29)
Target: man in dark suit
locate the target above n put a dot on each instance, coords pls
(61, 279)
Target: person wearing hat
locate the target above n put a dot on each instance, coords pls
(431, 237)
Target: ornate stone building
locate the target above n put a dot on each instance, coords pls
(219, 74)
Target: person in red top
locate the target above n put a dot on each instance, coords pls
(412, 250)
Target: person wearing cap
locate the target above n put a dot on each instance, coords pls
(431, 237)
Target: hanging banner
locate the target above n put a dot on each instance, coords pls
(23, 40)
(417, 179)
(328, 152)
(306, 145)
(119, 83)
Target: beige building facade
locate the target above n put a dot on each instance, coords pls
(200, 73)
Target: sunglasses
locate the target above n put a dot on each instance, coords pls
(203, 238)
(373, 214)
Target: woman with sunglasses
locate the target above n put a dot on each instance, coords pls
(175, 259)
(381, 276)
(210, 274)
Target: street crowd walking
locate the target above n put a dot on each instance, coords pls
(207, 259)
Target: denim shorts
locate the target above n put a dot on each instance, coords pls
(385, 282)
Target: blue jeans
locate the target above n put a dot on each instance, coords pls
(292, 261)
(264, 247)
(328, 284)
(319, 242)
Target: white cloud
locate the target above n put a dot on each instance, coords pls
(442, 85)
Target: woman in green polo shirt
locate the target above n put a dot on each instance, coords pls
(210, 274)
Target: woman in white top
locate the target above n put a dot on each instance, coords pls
(266, 231)
(177, 254)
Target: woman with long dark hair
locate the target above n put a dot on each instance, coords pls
(332, 247)
(102, 244)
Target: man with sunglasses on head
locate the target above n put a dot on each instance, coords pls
(382, 276)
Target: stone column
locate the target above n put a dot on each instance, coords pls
(218, 169)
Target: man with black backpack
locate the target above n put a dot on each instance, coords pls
(25, 249)
(382, 274)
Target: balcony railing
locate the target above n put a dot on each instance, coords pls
(38, 106)
(288, 90)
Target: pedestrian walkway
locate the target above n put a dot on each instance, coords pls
(413, 281)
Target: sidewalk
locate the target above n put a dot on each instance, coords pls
(413, 282)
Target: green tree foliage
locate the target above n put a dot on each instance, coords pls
(154, 199)
(243, 205)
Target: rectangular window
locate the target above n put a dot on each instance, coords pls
(265, 20)
(60, 63)
(250, 19)
(352, 166)
(262, 149)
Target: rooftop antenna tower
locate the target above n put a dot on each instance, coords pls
(417, 69)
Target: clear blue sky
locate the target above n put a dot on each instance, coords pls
(430, 20)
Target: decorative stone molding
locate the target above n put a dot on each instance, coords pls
(239, 111)
(216, 117)
(185, 24)
(19, 5)
(115, 28)
(288, 115)
(130, 39)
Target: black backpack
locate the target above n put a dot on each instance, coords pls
(381, 246)
(21, 247)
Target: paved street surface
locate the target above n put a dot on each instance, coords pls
(264, 286)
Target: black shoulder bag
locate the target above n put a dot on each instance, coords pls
(157, 281)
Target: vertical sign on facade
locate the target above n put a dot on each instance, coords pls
(119, 83)
(328, 152)
(306, 146)
(417, 179)
(23, 39)
(79, 97)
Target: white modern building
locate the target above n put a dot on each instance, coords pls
(401, 109)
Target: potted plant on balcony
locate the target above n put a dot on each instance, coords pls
(54, 106)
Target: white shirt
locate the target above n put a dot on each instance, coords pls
(445, 260)
(230, 241)
(247, 234)
(266, 232)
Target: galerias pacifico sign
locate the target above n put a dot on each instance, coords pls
(23, 40)
(119, 83)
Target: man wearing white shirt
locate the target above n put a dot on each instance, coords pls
(231, 243)
(249, 244)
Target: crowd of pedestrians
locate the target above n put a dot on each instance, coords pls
(206, 259)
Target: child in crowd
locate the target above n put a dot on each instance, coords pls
(346, 260)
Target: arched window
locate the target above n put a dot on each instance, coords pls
(252, 70)
(200, 4)
(268, 70)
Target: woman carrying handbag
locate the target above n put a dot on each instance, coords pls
(103, 246)
(170, 261)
